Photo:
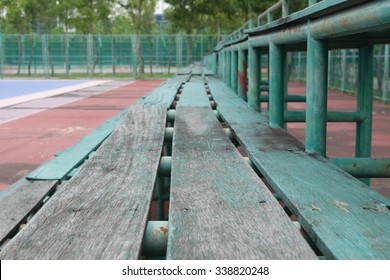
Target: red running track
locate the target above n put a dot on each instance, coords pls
(29, 141)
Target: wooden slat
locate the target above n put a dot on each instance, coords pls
(344, 218)
(222, 94)
(185, 70)
(66, 160)
(19, 201)
(220, 209)
(194, 94)
(165, 94)
(198, 79)
(102, 212)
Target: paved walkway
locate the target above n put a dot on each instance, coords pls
(32, 132)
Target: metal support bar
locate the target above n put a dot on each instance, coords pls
(333, 116)
(285, 8)
(234, 71)
(365, 167)
(317, 91)
(385, 80)
(242, 74)
(365, 102)
(168, 134)
(276, 93)
(165, 166)
(228, 68)
(288, 98)
(155, 239)
(254, 78)
(215, 64)
(160, 200)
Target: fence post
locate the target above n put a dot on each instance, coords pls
(343, 69)
(385, 80)
(365, 103)
(44, 55)
(178, 52)
(317, 91)
(1, 56)
(135, 56)
(253, 79)
(276, 84)
(90, 55)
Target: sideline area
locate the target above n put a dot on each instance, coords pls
(33, 132)
(19, 91)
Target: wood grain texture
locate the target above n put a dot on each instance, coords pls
(68, 159)
(165, 94)
(20, 200)
(222, 94)
(198, 79)
(102, 212)
(219, 208)
(194, 94)
(344, 218)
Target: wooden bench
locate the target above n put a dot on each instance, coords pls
(219, 208)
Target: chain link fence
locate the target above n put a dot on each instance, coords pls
(343, 70)
(100, 55)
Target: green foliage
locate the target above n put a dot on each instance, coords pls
(130, 16)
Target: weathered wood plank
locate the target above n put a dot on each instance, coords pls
(185, 70)
(222, 94)
(344, 218)
(220, 209)
(102, 212)
(19, 201)
(194, 94)
(198, 79)
(165, 94)
(66, 160)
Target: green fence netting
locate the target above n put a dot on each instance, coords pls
(343, 70)
(99, 55)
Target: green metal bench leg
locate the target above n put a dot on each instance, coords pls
(277, 88)
(242, 74)
(228, 68)
(254, 79)
(365, 103)
(234, 71)
(317, 94)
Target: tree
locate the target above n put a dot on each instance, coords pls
(187, 15)
(141, 15)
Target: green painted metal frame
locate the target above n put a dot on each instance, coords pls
(320, 27)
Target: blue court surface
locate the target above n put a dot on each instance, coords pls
(15, 88)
